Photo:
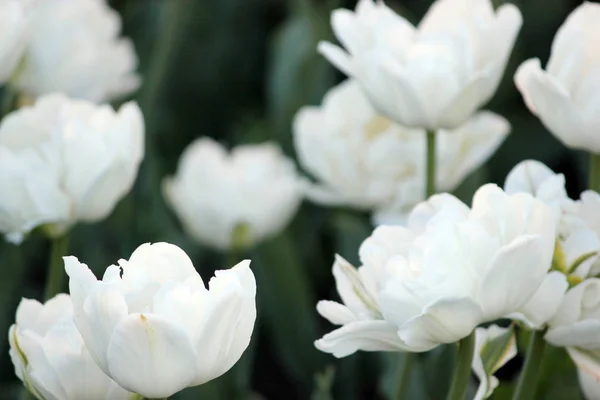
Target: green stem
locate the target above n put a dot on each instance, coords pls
(462, 371)
(56, 270)
(529, 375)
(430, 182)
(594, 172)
(404, 381)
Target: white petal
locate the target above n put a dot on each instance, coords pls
(588, 371)
(336, 313)
(546, 300)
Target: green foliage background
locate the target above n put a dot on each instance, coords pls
(237, 71)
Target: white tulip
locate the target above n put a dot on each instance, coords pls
(65, 161)
(75, 48)
(483, 366)
(466, 266)
(588, 371)
(432, 76)
(152, 325)
(362, 325)
(366, 161)
(233, 199)
(565, 95)
(14, 28)
(50, 357)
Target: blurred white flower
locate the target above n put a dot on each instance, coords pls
(65, 161)
(494, 347)
(152, 325)
(233, 199)
(460, 267)
(566, 95)
(366, 161)
(14, 28)
(75, 48)
(432, 76)
(50, 357)
(588, 371)
(362, 325)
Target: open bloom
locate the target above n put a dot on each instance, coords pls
(570, 83)
(50, 357)
(362, 326)
(233, 199)
(152, 325)
(432, 76)
(366, 161)
(65, 161)
(463, 266)
(14, 24)
(75, 48)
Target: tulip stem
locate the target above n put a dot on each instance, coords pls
(529, 375)
(404, 381)
(594, 172)
(462, 371)
(430, 183)
(56, 270)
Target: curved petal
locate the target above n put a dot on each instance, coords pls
(362, 335)
(337, 56)
(576, 301)
(336, 313)
(584, 334)
(527, 177)
(588, 371)
(444, 321)
(151, 356)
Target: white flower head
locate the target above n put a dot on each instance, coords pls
(434, 75)
(366, 161)
(65, 161)
(15, 16)
(50, 357)
(565, 96)
(233, 199)
(74, 48)
(153, 326)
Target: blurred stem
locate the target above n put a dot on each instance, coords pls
(462, 371)
(404, 380)
(529, 375)
(594, 173)
(430, 183)
(56, 271)
(8, 99)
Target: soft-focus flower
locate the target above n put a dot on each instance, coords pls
(366, 161)
(494, 347)
(588, 371)
(14, 24)
(362, 325)
(50, 357)
(566, 96)
(152, 325)
(75, 48)
(65, 161)
(460, 267)
(432, 76)
(233, 199)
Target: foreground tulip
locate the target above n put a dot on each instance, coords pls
(152, 325)
(233, 200)
(14, 24)
(365, 161)
(460, 267)
(74, 48)
(65, 161)
(432, 76)
(570, 82)
(50, 357)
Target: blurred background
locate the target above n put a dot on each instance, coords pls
(237, 71)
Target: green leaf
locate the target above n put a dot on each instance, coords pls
(494, 351)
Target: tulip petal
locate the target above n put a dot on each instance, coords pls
(444, 321)
(545, 302)
(588, 371)
(336, 313)
(337, 56)
(375, 335)
(151, 356)
(583, 334)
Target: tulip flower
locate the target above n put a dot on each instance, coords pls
(153, 327)
(75, 48)
(50, 357)
(14, 29)
(432, 76)
(588, 371)
(368, 162)
(565, 95)
(233, 199)
(65, 161)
